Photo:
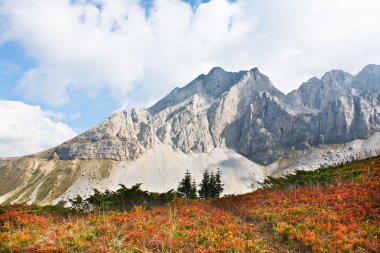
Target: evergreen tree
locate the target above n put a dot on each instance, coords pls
(212, 186)
(186, 187)
(204, 191)
(193, 193)
(219, 186)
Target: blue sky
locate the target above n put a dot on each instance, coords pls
(67, 65)
(14, 61)
(92, 110)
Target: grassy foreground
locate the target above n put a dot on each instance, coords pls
(329, 210)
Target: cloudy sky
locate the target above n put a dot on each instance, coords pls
(65, 65)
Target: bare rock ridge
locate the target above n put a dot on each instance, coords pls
(242, 111)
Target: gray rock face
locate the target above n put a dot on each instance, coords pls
(209, 86)
(348, 106)
(318, 93)
(123, 136)
(185, 126)
(243, 111)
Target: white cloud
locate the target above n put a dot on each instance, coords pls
(55, 116)
(8, 69)
(75, 116)
(26, 129)
(83, 49)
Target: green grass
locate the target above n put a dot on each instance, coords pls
(324, 176)
(105, 168)
(57, 182)
(26, 190)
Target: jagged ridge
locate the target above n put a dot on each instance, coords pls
(242, 111)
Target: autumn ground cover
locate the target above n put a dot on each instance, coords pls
(182, 226)
(331, 210)
(338, 210)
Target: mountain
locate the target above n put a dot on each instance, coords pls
(236, 121)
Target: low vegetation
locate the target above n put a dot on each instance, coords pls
(323, 176)
(123, 199)
(333, 209)
(181, 226)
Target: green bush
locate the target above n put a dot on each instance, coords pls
(123, 199)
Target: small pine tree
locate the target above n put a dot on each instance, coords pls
(204, 190)
(193, 193)
(219, 186)
(186, 187)
(212, 186)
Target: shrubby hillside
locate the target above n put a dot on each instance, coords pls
(333, 209)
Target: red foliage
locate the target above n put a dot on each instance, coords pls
(187, 226)
(341, 217)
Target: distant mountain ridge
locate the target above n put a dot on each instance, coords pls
(242, 111)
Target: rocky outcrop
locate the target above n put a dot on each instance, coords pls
(185, 126)
(123, 136)
(348, 106)
(242, 111)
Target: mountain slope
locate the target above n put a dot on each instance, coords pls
(328, 210)
(254, 128)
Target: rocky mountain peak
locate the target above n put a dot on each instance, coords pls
(216, 71)
(318, 93)
(239, 110)
(210, 86)
(371, 68)
(368, 79)
(336, 77)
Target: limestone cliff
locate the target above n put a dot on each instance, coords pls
(242, 111)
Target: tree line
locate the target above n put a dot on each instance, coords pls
(126, 198)
(210, 187)
(122, 199)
